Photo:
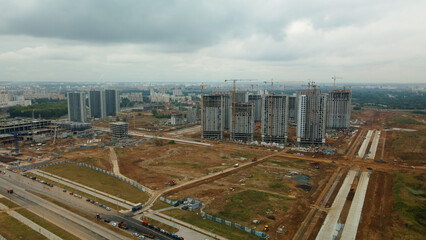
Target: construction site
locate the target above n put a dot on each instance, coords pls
(367, 188)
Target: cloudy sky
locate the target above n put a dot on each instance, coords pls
(166, 40)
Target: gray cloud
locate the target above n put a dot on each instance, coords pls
(209, 39)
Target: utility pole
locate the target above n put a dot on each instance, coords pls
(202, 109)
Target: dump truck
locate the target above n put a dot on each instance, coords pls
(122, 225)
(136, 207)
(172, 182)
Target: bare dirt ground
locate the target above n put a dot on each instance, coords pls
(154, 164)
(269, 179)
(94, 156)
(376, 217)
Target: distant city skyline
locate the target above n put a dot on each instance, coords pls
(204, 41)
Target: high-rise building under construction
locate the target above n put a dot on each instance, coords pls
(256, 100)
(275, 118)
(311, 117)
(213, 116)
(242, 122)
(339, 109)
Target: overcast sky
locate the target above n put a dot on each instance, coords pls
(165, 40)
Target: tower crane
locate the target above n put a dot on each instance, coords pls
(233, 107)
(334, 80)
(202, 109)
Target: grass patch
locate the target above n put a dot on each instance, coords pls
(159, 205)
(73, 190)
(99, 181)
(89, 217)
(211, 226)
(161, 225)
(236, 209)
(419, 112)
(403, 121)
(191, 164)
(289, 163)
(47, 225)
(8, 203)
(410, 146)
(411, 208)
(243, 155)
(279, 186)
(16, 230)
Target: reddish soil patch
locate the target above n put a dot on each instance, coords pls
(376, 218)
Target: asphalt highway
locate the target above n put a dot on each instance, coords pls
(80, 226)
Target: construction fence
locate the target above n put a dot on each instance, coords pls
(134, 184)
(213, 218)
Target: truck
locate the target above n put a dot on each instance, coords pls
(122, 225)
(136, 207)
(9, 190)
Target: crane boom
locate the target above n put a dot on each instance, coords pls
(334, 80)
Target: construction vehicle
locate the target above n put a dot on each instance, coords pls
(266, 228)
(122, 225)
(148, 235)
(172, 182)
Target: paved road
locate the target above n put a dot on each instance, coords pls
(185, 230)
(80, 226)
(31, 224)
(135, 133)
(354, 215)
(328, 228)
(25, 198)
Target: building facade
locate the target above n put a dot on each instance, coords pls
(191, 115)
(112, 102)
(311, 117)
(242, 129)
(292, 109)
(77, 107)
(274, 118)
(256, 100)
(176, 119)
(97, 104)
(339, 109)
(213, 116)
